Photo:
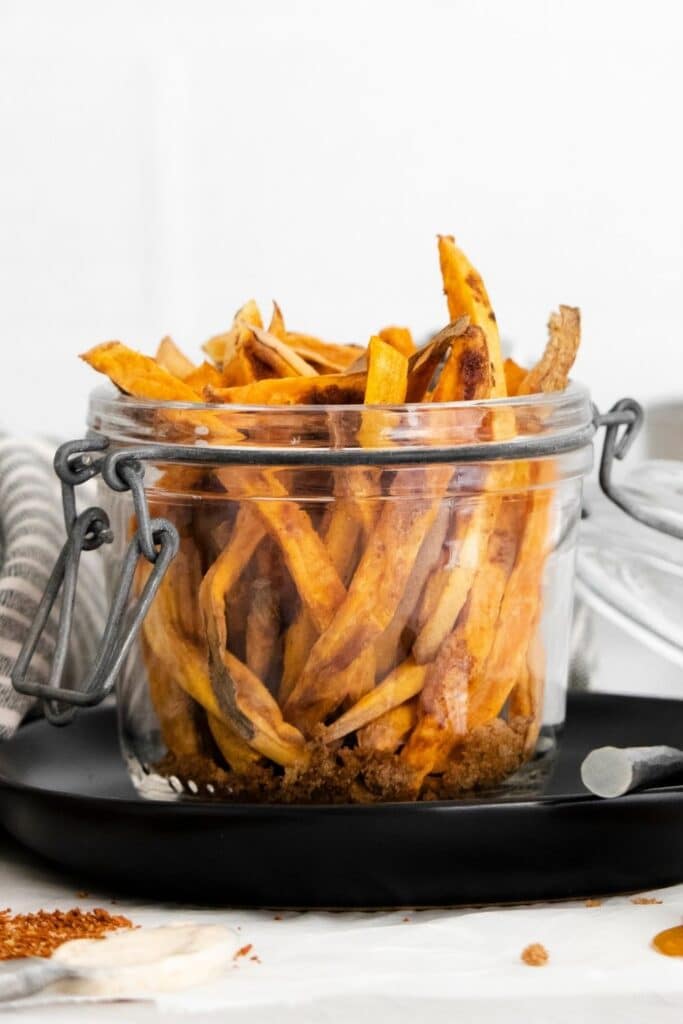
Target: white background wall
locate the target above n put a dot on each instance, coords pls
(161, 162)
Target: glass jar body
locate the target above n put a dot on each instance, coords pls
(357, 629)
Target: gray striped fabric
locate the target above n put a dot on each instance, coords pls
(31, 534)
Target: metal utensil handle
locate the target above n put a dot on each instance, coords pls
(157, 539)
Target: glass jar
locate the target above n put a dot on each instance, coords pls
(367, 604)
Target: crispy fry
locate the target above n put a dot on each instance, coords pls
(466, 375)
(323, 356)
(283, 359)
(171, 358)
(444, 700)
(518, 610)
(263, 619)
(468, 297)
(204, 376)
(514, 375)
(137, 375)
(243, 700)
(334, 389)
(404, 682)
(304, 552)
(399, 338)
(423, 364)
(222, 347)
(370, 604)
(276, 327)
(387, 733)
(388, 645)
(387, 378)
(177, 713)
(526, 699)
(551, 373)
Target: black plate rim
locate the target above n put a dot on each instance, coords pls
(172, 808)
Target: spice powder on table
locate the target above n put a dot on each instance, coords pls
(39, 934)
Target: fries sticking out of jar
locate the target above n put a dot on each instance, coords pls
(368, 623)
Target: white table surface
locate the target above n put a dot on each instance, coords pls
(458, 965)
(436, 966)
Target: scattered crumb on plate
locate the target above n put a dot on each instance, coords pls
(535, 955)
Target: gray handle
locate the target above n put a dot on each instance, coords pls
(614, 771)
(20, 978)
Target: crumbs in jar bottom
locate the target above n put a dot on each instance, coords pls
(490, 754)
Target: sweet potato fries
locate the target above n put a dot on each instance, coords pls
(351, 632)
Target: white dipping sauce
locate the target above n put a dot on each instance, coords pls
(146, 960)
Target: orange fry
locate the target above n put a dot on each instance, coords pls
(551, 373)
(399, 338)
(171, 358)
(404, 682)
(387, 732)
(334, 389)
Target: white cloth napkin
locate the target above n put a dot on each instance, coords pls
(31, 535)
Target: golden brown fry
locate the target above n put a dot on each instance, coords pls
(171, 358)
(177, 713)
(243, 701)
(526, 699)
(399, 338)
(322, 355)
(514, 375)
(551, 373)
(467, 296)
(444, 700)
(334, 389)
(204, 376)
(340, 536)
(238, 754)
(466, 375)
(304, 552)
(137, 375)
(263, 618)
(404, 682)
(388, 645)
(518, 610)
(276, 327)
(371, 602)
(222, 347)
(283, 359)
(424, 363)
(387, 733)
(387, 378)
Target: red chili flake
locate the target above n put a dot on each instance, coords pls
(243, 951)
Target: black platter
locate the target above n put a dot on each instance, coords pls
(65, 794)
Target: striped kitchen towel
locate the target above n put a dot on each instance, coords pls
(31, 535)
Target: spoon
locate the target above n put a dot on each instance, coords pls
(128, 963)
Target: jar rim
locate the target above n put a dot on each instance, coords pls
(575, 390)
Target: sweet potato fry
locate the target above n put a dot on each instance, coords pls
(399, 338)
(551, 373)
(333, 389)
(243, 700)
(526, 699)
(371, 602)
(222, 347)
(205, 375)
(263, 618)
(171, 358)
(445, 697)
(388, 644)
(468, 297)
(514, 375)
(399, 686)
(137, 375)
(323, 356)
(386, 733)
(178, 714)
(276, 327)
(423, 364)
(518, 610)
(282, 358)
(466, 375)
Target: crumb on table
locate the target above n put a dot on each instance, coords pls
(645, 901)
(535, 955)
(594, 902)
